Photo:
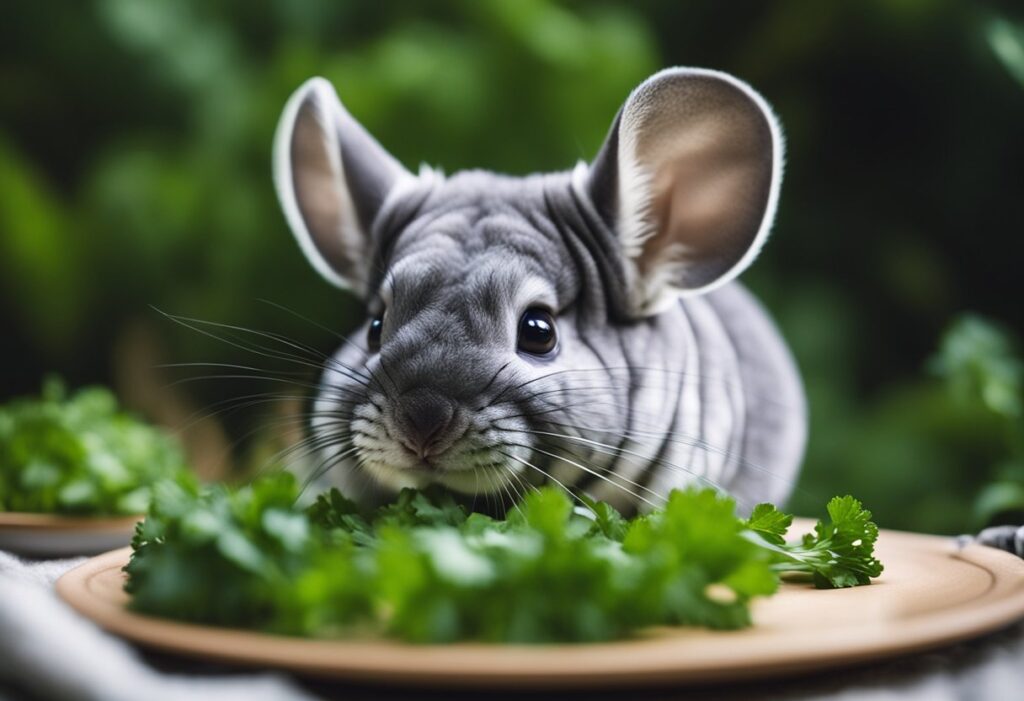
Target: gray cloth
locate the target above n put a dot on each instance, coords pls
(49, 652)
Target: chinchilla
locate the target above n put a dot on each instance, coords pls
(580, 328)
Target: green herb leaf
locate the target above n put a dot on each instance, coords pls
(79, 454)
(424, 570)
(840, 552)
(770, 523)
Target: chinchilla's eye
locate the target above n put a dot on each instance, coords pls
(373, 333)
(537, 332)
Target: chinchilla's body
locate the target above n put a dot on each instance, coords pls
(578, 328)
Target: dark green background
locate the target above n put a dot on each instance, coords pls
(134, 171)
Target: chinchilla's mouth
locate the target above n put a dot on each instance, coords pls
(466, 479)
(476, 480)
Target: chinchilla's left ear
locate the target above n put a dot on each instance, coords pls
(332, 178)
(688, 179)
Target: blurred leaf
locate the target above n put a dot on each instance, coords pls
(999, 499)
(42, 268)
(1007, 42)
(978, 360)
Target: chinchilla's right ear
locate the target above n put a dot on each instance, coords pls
(332, 178)
(688, 179)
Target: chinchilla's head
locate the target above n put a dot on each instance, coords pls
(488, 297)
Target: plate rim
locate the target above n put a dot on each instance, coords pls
(45, 522)
(366, 661)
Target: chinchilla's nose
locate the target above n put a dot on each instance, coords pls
(424, 417)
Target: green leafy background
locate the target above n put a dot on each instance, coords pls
(134, 172)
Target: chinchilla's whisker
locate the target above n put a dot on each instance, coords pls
(523, 481)
(670, 435)
(236, 404)
(601, 390)
(506, 488)
(288, 310)
(299, 451)
(510, 494)
(557, 407)
(487, 499)
(235, 342)
(516, 387)
(674, 436)
(311, 352)
(662, 461)
(316, 363)
(543, 473)
(329, 421)
(311, 444)
(476, 489)
(325, 467)
(328, 462)
(307, 445)
(609, 370)
(494, 377)
(273, 375)
(525, 485)
(384, 369)
(568, 408)
(540, 394)
(592, 472)
(260, 378)
(367, 372)
(580, 466)
(279, 421)
(611, 475)
(264, 376)
(593, 443)
(607, 449)
(625, 451)
(233, 404)
(365, 377)
(340, 393)
(333, 420)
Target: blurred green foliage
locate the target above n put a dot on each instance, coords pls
(983, 368)
(426, 570)
(134, 171)
(80, 455)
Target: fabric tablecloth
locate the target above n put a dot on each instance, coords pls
(47, 651)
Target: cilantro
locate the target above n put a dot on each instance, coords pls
(770, 523)
(840, 552)
(80, 454)
(424, 570)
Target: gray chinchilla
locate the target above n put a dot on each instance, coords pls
(580, 328)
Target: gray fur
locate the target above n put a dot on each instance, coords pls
(632, 404)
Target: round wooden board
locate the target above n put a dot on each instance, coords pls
(54, 535)
(931, 594)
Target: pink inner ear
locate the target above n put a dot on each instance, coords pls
(332, 178)
(710, 205)
(316, 181)
(707, 148)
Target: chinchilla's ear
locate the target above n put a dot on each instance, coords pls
(688, 179)
(332, 178)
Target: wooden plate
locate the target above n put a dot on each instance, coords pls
(930, 595)
(50, 535)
